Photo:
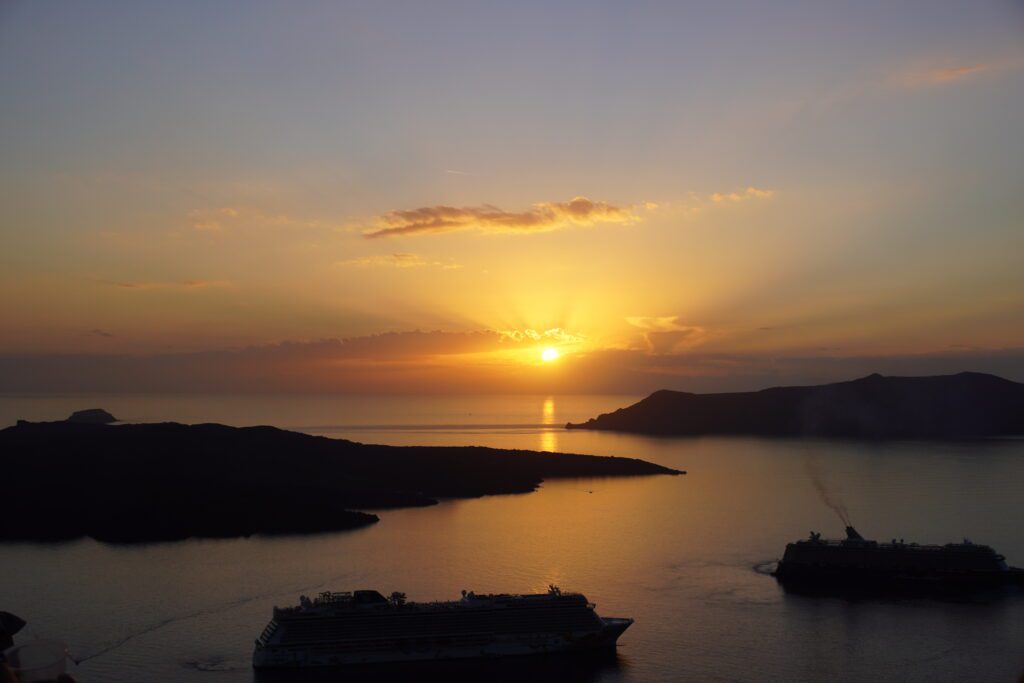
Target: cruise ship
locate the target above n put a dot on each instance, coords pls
(364, 627)
(857, 562)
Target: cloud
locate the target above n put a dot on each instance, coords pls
(543, 217)
(554, 335)
(397, 345)
(742, 195)
(212, 220)
(101, 333)
(693, 203)
(184, 284)
(660, 323)
(398, 260)
(957, 72)
(666, 335)
(673, 341)
(444, 362)
(946, 72)
(433, 361)
(418, 344)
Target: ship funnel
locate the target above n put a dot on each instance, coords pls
(852, 535)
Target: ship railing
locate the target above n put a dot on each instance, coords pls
(329, 597)
(916, 546)
(483, 599)
(266, 635)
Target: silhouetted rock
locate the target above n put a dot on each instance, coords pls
(967, 405)
(146, 482)
(96, 416)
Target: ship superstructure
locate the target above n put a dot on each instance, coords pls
(858, 561)
(364, 627)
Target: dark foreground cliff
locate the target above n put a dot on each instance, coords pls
(967, 405)
(149, 482)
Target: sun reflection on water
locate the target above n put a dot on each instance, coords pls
(548, 434)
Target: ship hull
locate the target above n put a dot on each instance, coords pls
(583, 666)
(431, 649)
(846, 579)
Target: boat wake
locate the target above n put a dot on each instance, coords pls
(751, 596)
(765, 568)
(218, 664)
(156, 626)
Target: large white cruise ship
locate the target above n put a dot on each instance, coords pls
(364, 627)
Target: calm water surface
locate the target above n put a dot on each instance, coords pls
(684, 556)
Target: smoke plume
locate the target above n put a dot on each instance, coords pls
(829, 498)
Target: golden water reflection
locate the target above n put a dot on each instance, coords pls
(549, 432)
(549, 440)
(547, 411)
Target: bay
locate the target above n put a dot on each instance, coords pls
(685, 556)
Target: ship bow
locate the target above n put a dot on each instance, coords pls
(613, 628)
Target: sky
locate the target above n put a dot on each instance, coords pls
(426, 197)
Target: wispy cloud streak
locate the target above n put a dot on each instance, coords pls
(742, 195)
(666, 334)
(183, 285)
(542, 217)
(947, 72)
(398, 260)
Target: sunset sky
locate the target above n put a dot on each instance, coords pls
(416, 197)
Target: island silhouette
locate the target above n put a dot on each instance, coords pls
(961, 406)
(167, 481)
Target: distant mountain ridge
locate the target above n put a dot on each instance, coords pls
(965, 405)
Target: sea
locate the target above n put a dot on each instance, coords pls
(688, 557)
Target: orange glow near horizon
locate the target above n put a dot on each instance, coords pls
(412, 251)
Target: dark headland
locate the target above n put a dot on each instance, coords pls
(962, 406)
(150, 482)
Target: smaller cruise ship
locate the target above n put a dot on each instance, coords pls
(857, 562)
(364, 627)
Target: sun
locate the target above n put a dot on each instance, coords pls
(549, 354)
